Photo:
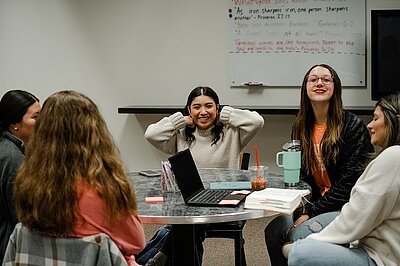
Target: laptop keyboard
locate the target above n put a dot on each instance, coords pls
(210, 196)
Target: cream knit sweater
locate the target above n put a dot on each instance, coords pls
(371, 219)
(240, 126)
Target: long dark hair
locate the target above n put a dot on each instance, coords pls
(305, 121)
(217, 129)
(390, 106)
(13, 106)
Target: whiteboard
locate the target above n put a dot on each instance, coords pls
(274, 42)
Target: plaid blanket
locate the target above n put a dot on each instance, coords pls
(27, 247)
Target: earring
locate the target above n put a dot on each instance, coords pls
(15, 128)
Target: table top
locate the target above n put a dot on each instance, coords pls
(173, 209)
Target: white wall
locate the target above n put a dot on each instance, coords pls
(138, 51)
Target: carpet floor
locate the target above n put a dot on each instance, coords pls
(219, 251)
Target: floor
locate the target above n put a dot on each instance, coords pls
(221, 252)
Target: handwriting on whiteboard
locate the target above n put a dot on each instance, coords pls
(300, 26)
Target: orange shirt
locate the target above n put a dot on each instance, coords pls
(319, 171)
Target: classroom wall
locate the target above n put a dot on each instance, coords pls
(139, 51)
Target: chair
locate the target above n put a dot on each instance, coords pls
(27, 247)
(232, 230)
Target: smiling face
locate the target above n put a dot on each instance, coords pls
(203, 111)
(378, 128)
(24, 129)
(320, 85)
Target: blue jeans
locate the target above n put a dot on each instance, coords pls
(280, 231)
(155, 244)
(162, 241)
(309, 252)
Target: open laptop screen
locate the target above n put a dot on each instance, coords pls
(186, 174)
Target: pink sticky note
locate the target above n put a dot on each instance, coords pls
(240, 192)
(154, 199)
(228, 202)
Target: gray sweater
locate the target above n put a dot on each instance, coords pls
(11, 157)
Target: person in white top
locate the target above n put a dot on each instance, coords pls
(214, 134)
(367, 230)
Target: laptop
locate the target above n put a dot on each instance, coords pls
(192, 189)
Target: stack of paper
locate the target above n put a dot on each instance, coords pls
(276, 199)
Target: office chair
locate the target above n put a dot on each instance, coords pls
(28, 247)
(232, 230)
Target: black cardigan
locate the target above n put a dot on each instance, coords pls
(354, 154)
(11, 157)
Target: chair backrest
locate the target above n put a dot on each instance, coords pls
(27, 247)
(244, 160)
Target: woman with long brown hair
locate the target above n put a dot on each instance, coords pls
(73, 181)
(335, 147)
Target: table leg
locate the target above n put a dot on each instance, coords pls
(184, 245)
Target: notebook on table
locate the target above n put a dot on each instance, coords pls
(192, 189)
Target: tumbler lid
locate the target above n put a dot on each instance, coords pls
(293, 145)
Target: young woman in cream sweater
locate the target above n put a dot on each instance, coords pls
(367, 230)
(215, 136)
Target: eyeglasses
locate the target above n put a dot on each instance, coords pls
(325, 79)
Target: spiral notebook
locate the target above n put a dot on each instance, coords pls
(192, 189)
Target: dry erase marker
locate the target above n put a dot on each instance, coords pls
(253, 83)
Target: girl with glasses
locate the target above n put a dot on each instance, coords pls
(335, 146)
